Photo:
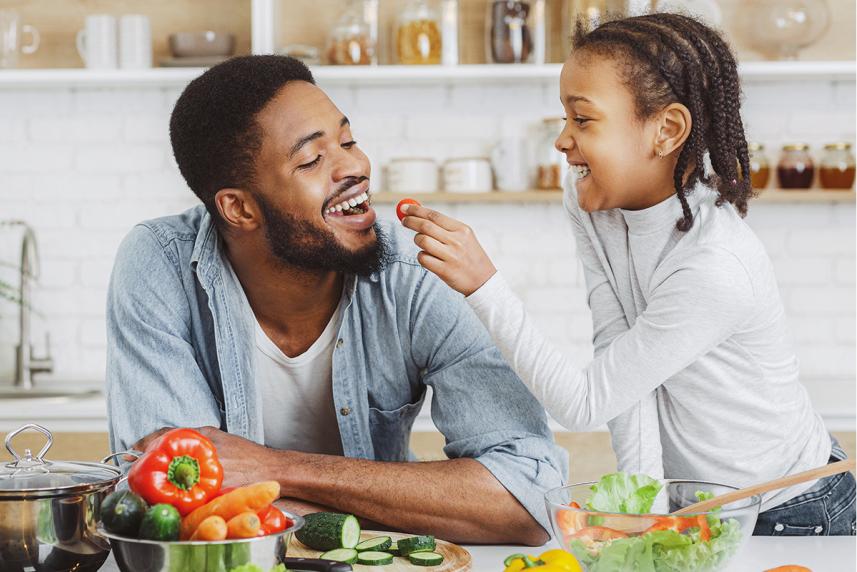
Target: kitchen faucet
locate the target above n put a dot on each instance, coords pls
(26, 364)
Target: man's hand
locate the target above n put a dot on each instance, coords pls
(244, 462)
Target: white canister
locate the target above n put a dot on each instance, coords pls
(135, 42)
(96, 43)
(412, 175)
(468, 175)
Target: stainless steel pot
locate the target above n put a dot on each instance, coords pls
(266, 552)
(48, 510)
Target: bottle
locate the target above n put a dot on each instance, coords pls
(760, 169)
(449, 32)
(836, 170)
(350, 41)
(551, 163)
(418, 36)
(795, 169)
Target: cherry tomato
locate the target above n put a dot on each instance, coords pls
(402, 202)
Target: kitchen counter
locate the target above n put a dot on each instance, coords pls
(819, 553)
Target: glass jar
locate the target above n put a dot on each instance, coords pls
(418, 34)
(795, 169)
(350, 41)
(836, 168)
(552, 165)
(760, 169)
(515, 32)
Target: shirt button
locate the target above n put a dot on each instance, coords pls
(339, 343)
(779, 527)
(345, 411)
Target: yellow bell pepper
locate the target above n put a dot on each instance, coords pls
(550, 561)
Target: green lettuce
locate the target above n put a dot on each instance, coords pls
(663, 551)
(624, 493)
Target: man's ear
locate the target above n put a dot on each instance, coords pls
(673, 129)
(238, 209)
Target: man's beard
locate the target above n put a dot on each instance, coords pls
(301, 244)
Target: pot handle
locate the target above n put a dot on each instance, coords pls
(131, 452)
(28, 456)
(316, 565)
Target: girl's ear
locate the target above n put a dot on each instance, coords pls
(673, 130)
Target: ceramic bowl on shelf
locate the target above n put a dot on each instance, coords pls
(201, 44)
(779, 29)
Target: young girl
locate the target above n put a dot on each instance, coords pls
(693, 370)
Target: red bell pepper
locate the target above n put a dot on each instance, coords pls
(682, 523)
(180, 468)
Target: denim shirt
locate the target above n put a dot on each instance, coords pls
(181, 347)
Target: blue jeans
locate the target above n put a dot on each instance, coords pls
(827, 509)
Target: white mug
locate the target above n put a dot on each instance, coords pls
(10, 38)
(468, 175)
(405, 175)
(135, 42)
(96, 43)
(509, 158)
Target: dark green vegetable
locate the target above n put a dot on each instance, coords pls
(374, 558)
(347, 555)
(161, 522)
(413, 544)
(329, 530)
(379, 543)
(238, 554)
(425, 559)
(122, 512)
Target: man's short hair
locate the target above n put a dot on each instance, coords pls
(213, 128)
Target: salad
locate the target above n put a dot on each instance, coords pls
(651, 543)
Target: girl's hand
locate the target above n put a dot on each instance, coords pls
(449, 249)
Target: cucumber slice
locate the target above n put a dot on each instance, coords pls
(381, 543)
(416, 544)
(329, 530)
(393, 549)
(373, 558)
(347, 555)
(425, 559)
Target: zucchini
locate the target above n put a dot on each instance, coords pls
(161, 522)
(379, 543)
(122, 512)
(347, 555)
(413, 544)
(329, 530)
(373, 558)
(425, 559)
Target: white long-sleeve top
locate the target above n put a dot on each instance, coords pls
(694, 370)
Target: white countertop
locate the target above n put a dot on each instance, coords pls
(819, 553)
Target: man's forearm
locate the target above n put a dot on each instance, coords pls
(458, 500)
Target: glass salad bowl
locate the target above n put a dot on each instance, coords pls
(617, 538)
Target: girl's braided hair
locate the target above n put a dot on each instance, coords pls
(673, 58)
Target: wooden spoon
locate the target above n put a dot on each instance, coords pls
(781, 483)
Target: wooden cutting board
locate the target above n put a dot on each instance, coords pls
(455, 558)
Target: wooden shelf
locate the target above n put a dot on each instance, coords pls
(535, 196)
(396, 75)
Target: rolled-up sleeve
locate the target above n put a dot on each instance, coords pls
(479, 404)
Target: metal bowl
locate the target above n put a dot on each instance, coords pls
(265, 552)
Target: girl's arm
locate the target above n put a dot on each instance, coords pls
(695, 307)
(635, 434)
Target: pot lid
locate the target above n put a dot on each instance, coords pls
(34, 476)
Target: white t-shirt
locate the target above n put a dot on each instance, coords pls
(297, 394)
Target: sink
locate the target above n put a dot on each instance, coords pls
(64, 394)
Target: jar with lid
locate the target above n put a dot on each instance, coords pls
(760, 169)
(351, 40)
(795, 169)
(515, 32)
(551, 163)
(418, 34)
(836, 169)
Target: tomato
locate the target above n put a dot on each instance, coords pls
(402, 202)
(598, 533)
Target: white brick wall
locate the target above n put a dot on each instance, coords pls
(82, 166)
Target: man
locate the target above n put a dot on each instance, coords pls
(301, 336)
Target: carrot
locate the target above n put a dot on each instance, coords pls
(212, 528)
(789, 568)
(245, 525)
(251, 498)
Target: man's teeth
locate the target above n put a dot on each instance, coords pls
(349, 204)
(580, 171)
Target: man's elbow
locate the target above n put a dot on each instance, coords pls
(533, 535)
